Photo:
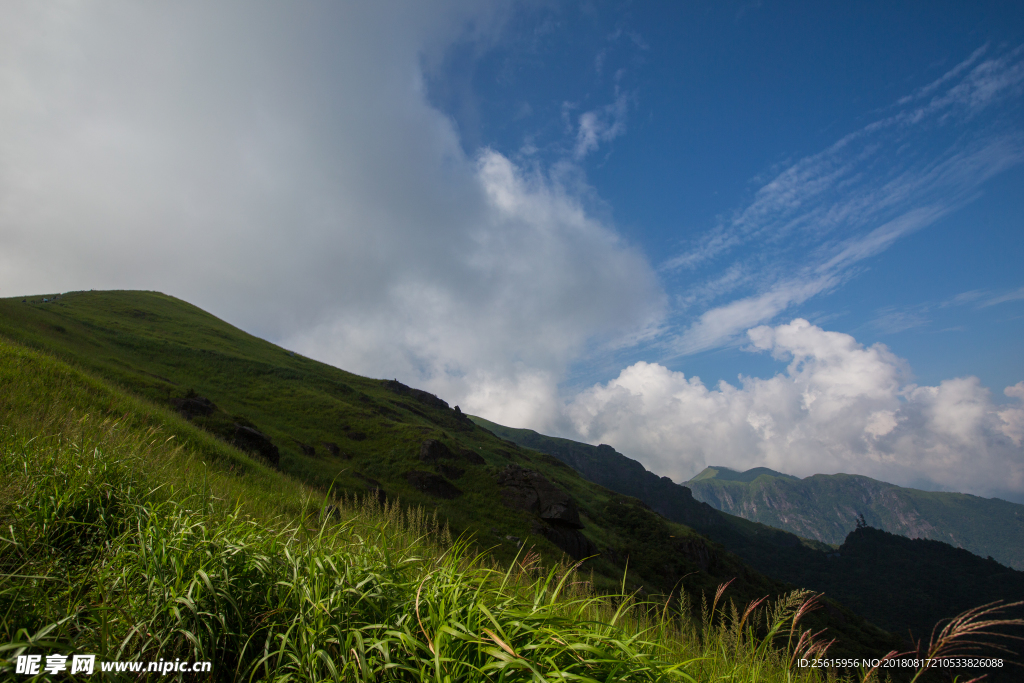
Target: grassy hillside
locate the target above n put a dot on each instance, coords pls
(908, 588)
(825, 507)
(350, 435)
(726, 474)
(133, 535)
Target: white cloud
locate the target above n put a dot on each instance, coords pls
(600, 125)
(533, 282)
(721, 324)
(281, 166)
(839, 407)
(1016, 295)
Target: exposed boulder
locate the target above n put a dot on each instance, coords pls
(471, 456)
(194, 405)
(249, 439)
(453, 418)
(462, 417)
(332, 448)
(433, 450)
(308, 450)
(424, 397)
(529, 490)
(432, 484)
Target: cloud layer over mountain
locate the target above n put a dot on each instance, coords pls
(839, 407)
(282, 167)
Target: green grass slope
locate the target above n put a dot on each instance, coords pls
(350, 435)
(129, 533)
(886, 580)
(825, 507)
(719, 473)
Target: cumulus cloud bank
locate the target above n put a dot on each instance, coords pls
(281, 166)
(839, 407)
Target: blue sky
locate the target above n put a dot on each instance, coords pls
(714, 100)
(745, 234)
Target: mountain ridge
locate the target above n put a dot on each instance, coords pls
(825, 507)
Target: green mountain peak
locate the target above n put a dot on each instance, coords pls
(728, 474)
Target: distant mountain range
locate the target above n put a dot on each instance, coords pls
(825, 507)
(902, 584)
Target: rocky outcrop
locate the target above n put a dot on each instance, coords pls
(308, 450)
(332, 448)
(423, 397)
(530, 491)
(443, 458)
(432, 450)
(194, 405)
(432, 484)
(452, 417)
(253, 440)
(471, 456)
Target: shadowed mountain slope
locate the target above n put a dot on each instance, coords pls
(904, 585)
(825, 507)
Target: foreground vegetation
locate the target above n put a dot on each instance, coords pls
(130, 536)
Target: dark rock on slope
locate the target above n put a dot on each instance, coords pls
(530, 491)
(560, 523)
(194, 405)
(432, 484)
(250, 439)
(451, 417)
(471, 456)
(423, 397)
(433, 450)
(440, 456)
